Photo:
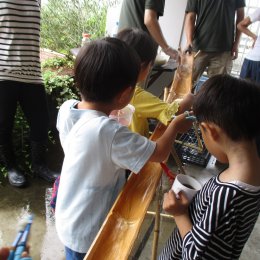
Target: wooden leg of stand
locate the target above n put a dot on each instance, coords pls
(157, 224)
(166, 93)
(200, 145)
(177, 160)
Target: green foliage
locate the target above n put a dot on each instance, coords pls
(64, 21)
(58, 62)
(59, 87)
(21, 140)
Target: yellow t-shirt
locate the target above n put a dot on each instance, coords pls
(149, 106)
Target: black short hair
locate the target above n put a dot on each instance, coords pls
(232, 104)
(105, 67)
(141, 41)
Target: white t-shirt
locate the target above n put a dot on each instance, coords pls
(254, 54)
(96, 152)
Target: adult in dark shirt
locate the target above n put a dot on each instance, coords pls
(144, 14)
(210, 28)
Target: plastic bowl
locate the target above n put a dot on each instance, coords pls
(124, 115)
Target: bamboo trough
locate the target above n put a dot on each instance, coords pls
(120, 229)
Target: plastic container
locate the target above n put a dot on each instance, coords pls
(187, 148)
(124, 115)
(85, 38)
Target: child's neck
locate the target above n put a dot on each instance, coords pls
(102, 107)
(244, 164)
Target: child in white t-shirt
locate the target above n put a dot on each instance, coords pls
(97, 148)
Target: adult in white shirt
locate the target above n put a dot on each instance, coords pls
(251, 65)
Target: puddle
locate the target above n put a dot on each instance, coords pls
(15, 204)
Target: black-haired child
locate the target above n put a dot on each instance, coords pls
(97, 148)
(146, 104)
(219, 220)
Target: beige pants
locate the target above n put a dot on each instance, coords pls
(213, 62)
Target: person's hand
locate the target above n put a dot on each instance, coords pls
(5, 251)
(188, 49)
(174, 54)
(175, 206)
(186, 103)
(254, 40)
(234, 51)
(181, 124)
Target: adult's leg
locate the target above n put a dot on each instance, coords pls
(220, 63)
(33, 103)
(8, 105)
(200, 63)
(9, 93)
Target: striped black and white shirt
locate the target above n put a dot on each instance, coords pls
(223, 216)
(20, 41)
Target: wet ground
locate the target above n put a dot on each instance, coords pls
(45, 245)
(14, 204)
(17, 203)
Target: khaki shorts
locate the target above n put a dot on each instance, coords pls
(213, 62)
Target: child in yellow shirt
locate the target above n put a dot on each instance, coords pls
(146, 104)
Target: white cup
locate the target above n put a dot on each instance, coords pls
(187, 184)
(124, 115)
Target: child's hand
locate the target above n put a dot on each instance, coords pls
(186, 103)
(175, 206)
(181, 124)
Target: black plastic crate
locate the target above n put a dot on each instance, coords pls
(187, 148)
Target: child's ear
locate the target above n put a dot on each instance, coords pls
(211, 130)
(125, 95)
(145, 69)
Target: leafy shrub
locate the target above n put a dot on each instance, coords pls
(59, 87)
(56, 63)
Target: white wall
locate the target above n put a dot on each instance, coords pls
(113, 14)
(172, 21)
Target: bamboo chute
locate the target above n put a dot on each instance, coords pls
(120, 229)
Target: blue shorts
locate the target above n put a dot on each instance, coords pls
(250, 70)
(73, 255)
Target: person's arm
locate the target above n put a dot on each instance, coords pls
(179, 209)
(243, 27)
(152, 24)
(240, 16)
(190, 27)
(164, 143)
(186, 103)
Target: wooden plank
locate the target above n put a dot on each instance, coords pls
(119, 231)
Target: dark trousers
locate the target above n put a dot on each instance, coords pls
(32, 99)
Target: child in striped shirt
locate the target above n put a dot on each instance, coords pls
(219, 220)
